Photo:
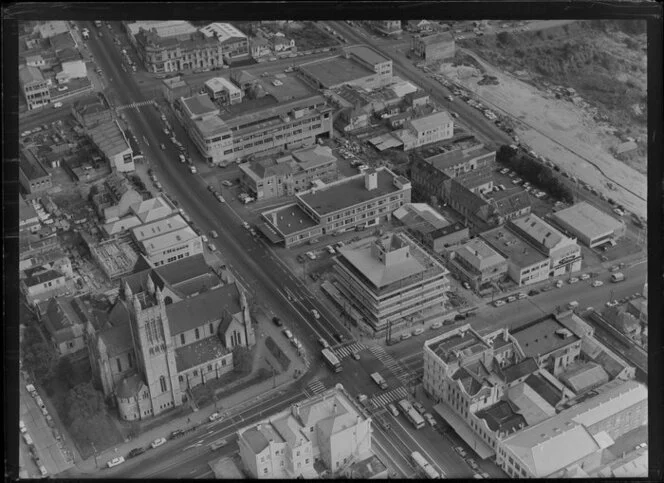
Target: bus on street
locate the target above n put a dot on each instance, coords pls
(331, 360)
(424, 466)
(411, 413)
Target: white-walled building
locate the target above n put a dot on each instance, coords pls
(167, 240)
(73, 69)
(592, 226)
(327, 427)
(223, 89)
(426, 130)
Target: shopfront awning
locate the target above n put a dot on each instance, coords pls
(269, 233)
(483, 450)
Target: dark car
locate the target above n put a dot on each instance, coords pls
(177, 433)
(339, 337)
(533, 292)
(459, 317)
(300, 259)
(277, 321)
(135, 452)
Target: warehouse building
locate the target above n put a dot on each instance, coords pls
(438, 46)
(590, 225)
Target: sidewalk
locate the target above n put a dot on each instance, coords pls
(231, 405)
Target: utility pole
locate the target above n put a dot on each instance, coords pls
(94, 448)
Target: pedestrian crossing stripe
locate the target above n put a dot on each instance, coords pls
(349, 350)
(384, 399)
(316, 386)
(134, 105)
(395, 367)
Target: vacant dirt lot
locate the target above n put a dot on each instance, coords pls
(566, 133)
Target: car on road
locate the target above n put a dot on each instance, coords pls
(473, 464)
(214, 416)
(466, 285)
(330, 249)
(584, 276)
(158, 442)
(116, 461)
(166, 132)
(211, 247)
(214, 234)
(323, 343)
(162, 146)
(339, 337)
(362, 398)
(559, 283)
(619, 212)
(193, 170)
(393, 410)
(22, 427)
(56, 105)
(138, 451)
(533, 292)
(611, 303)
(521, 296)
(418, 331)
(226, 183)
(315, 313)
(419, 408)
(511, 298)
(277, 321)
(460, 451)
(597, 283)
(356, 356)
(498, 303)
(572, 280)
(430, 419)
(311, 255)
(436, 325)
(405, 336)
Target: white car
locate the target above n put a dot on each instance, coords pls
(226, 183)
(211, 247)
(193, 170)
(158, 442)
(511, 298)
(311, 255)
(584, 276)
(42, 471)
(597, 283)
(116, 461)
(393, 409)
(559, 283)
(619, 212)
(245, 225)
(498, 303)
(214, 416)
(288, 334)
(466, 285)
(315, 313)
(166, 132)
(204, 238)
(21, 426)
(330, 249)
(182, 158)
(362, 398)
(572, 280)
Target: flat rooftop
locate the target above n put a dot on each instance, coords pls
(516, 250)
(200, 105)
(336, 71)
(460, 341)
(367, 54)
(479, 254)
(347, 192)
(539, 337)
(587, 220)
(291, 87)
(458, 156)
(30, 166)
(290, 219)
(161, 242)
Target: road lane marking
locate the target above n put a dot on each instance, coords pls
(431, 460)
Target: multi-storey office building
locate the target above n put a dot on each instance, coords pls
(35, 88)
(223, 138)
(167, 240)
(426, 130)
(390, 278)
(326, 427)
(477, 263)
(361, 200)
(286, 175)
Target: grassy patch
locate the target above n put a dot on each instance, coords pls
(106, 436)
(278, 354)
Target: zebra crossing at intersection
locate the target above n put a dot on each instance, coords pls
(316, 386)
(395, 367)
(349, 350)
(135, 105)
(382, 400)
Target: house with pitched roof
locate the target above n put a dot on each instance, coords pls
(170, 329)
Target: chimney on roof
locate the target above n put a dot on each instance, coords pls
(371, 179)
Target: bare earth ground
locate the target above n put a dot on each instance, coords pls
(560, 131)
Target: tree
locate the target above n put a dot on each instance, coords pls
(84, 401)
(40, 360)
(504, 38)
(64, 372)
(242, 360)
(87, 430)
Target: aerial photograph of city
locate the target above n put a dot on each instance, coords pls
(332, 249)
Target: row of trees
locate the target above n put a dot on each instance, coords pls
(534, 172)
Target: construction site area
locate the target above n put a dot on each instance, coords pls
(572, 102)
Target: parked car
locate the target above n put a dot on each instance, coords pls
(116, 461)
(300, 258)
(214, 416)
(405, 336)
(311, 255)
(533, 292)
(356, 356)
(572, 280)
(597, 283)
(473, 464)
(430, 419)
(511, 298)
(330, 249)
(211, 247)
(214, 234)
(559, 283)
(584, 276)
(315, 313)
(193, 170)
(323, 343)
(162, 146)
(137, 451)
(226, 183)
(498, 303)
(158, 442)
(288, 334)
(521, 296)
(42, 471)
(21, 426)
(418, 406)
(466, 285)
(460, 451)
(436, 325)
(393, 410)
(339, 337)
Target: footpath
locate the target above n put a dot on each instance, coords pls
(228, 405)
